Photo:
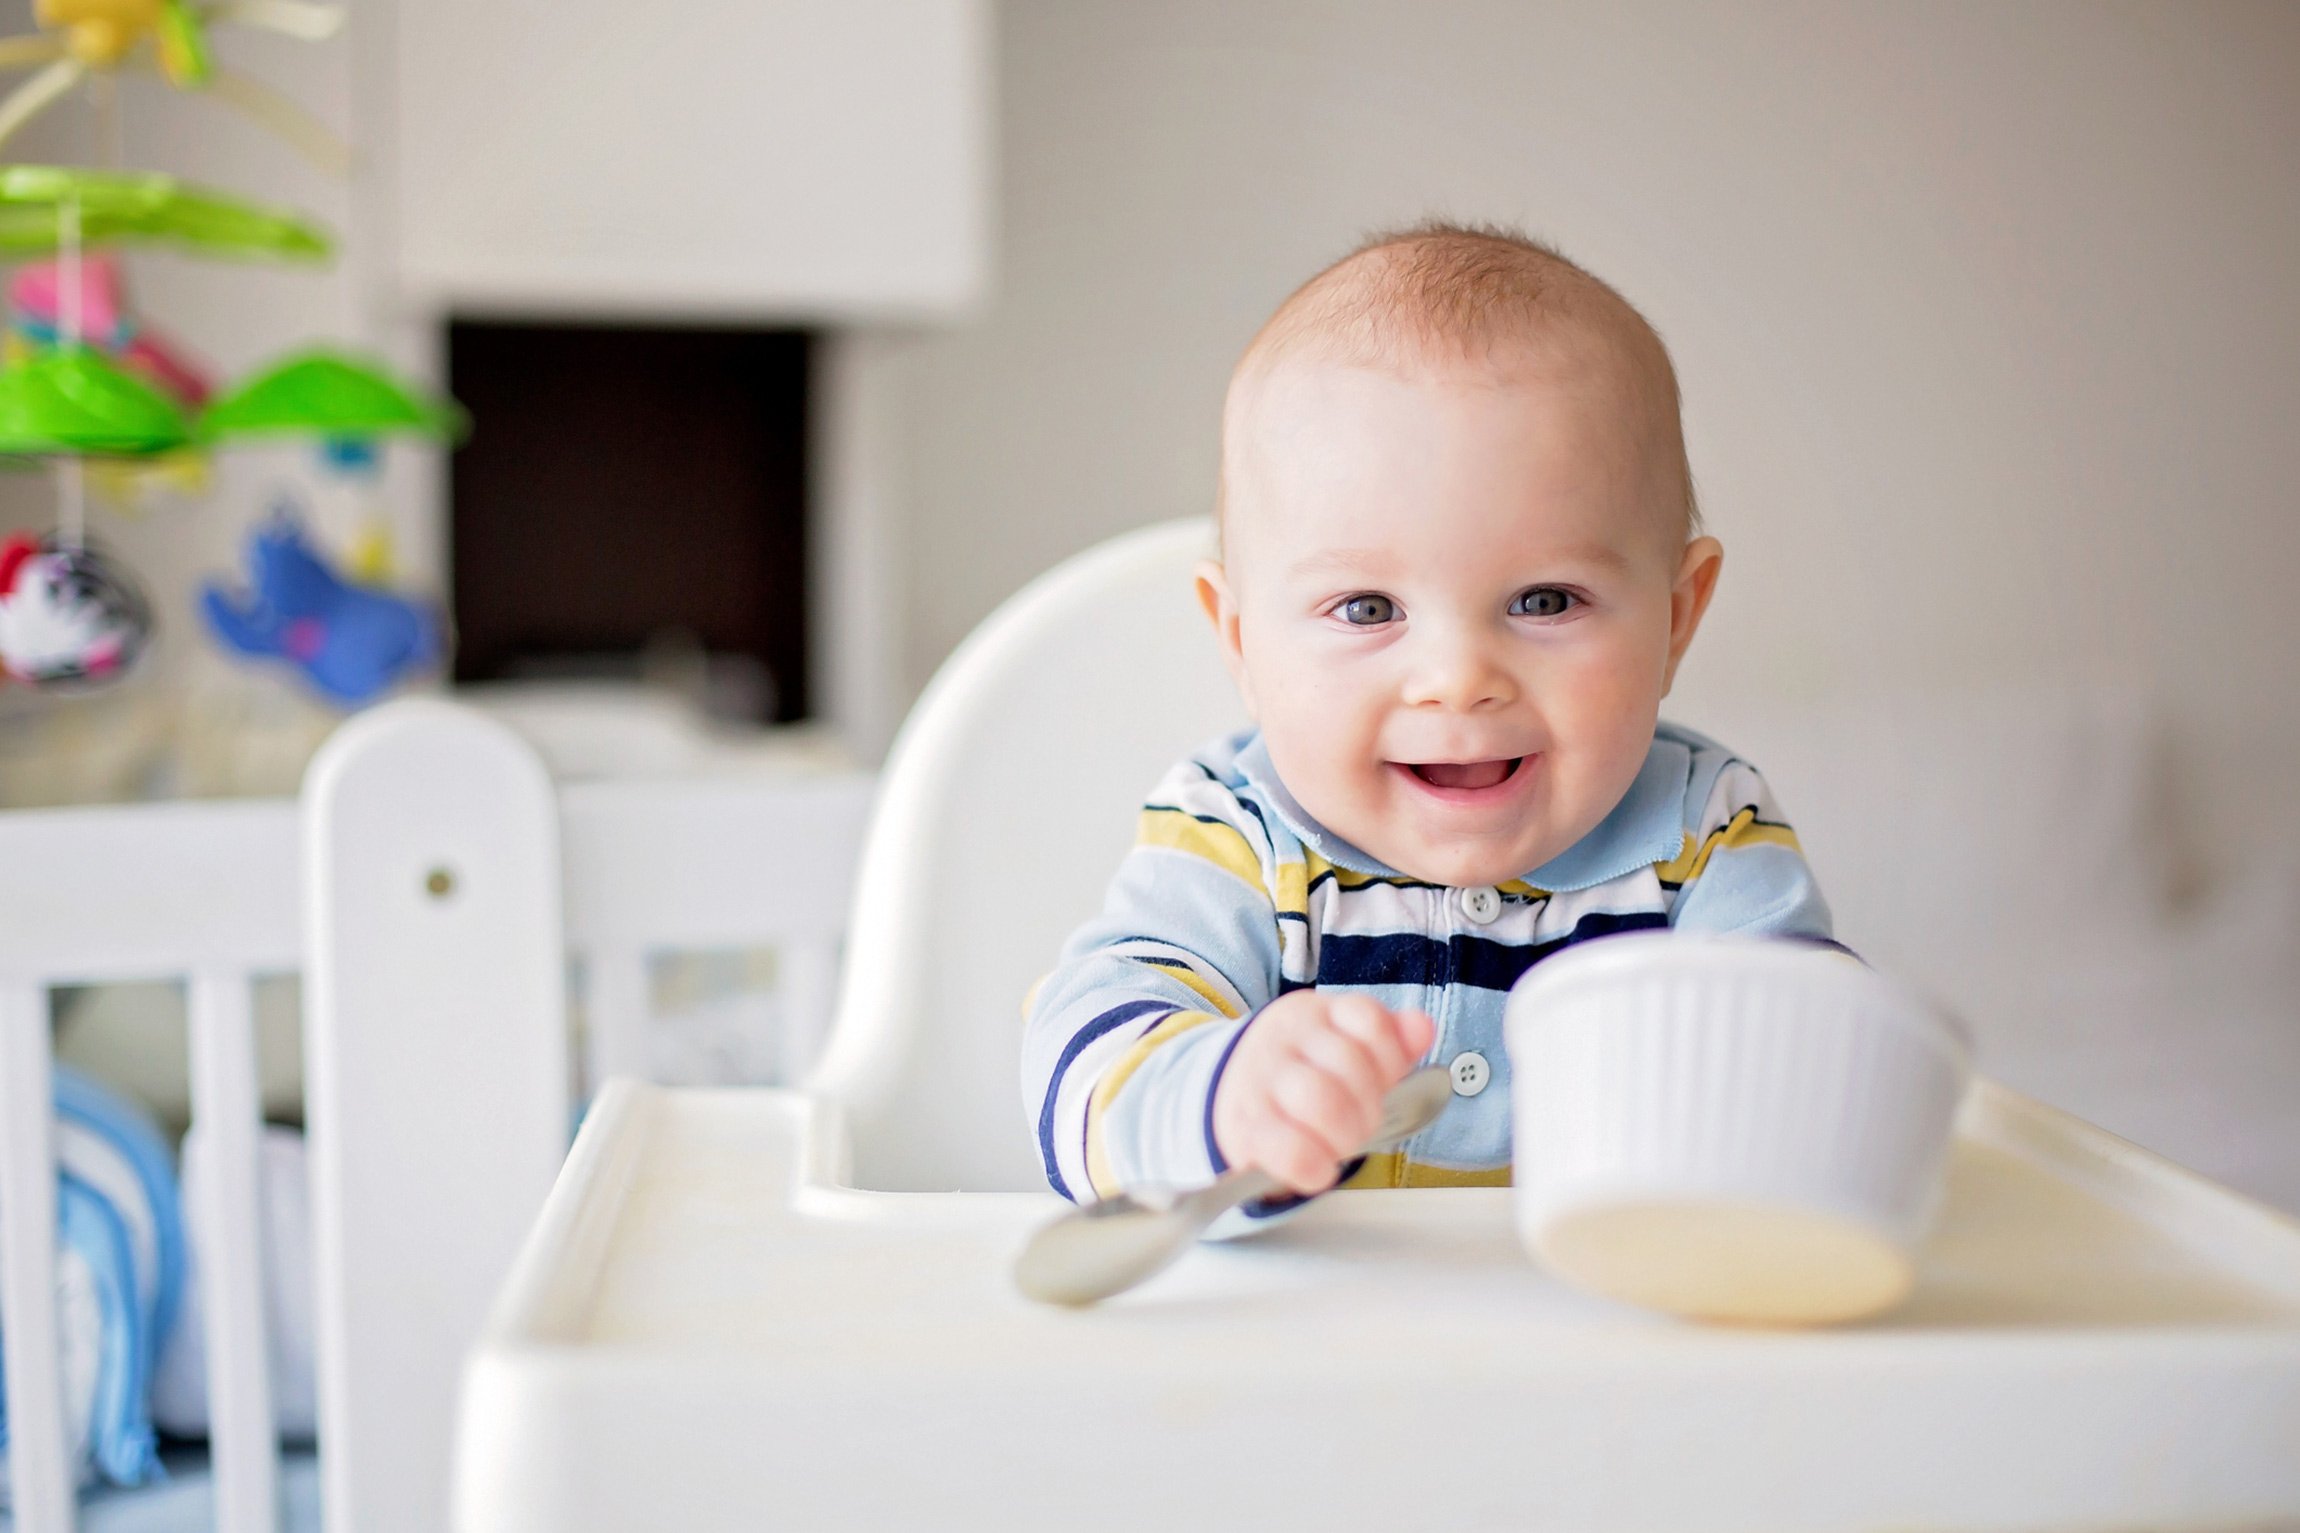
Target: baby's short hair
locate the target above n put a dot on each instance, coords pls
(1431, 287)
(1441, 292)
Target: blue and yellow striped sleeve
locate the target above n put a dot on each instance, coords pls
(1740, 868)
(1126, 1039)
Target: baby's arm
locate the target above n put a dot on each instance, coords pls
(1139, 1067)
(1126, 1038)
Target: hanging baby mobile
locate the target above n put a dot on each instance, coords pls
(95, 389)
(95, 39)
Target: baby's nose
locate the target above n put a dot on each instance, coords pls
(1458, 672)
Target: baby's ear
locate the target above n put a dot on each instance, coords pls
(1689, 598)
(1221, 606)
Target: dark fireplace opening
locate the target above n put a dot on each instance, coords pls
(631, 503)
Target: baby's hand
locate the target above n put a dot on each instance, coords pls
(1303, 1092)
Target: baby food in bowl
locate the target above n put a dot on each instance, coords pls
(1730, 1130)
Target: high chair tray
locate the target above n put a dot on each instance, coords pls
(704, 1333)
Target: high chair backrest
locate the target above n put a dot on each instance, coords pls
(1005, 807)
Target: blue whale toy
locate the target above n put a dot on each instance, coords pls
(351, 642)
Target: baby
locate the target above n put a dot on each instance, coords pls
(1460, 564)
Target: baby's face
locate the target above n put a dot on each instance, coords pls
(1453, 603)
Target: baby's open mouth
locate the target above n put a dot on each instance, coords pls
(1464, 774)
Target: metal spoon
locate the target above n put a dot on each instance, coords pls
(1105, 1248)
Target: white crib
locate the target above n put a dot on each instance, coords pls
(435, 889)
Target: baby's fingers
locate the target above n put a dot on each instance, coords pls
(1297, 1156)
(1394, 1039)
(1340, 1114)
(1415, 1031)
(1364, 1072)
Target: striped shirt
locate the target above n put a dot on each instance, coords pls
(1232, 897)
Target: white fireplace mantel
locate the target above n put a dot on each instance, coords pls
(798, 161)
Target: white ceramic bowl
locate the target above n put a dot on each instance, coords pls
(1729, 1129)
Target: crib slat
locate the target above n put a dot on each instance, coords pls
(615, 1013)
(39, 1449)
(227, 1114)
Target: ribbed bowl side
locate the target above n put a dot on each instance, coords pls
(1809, 1083)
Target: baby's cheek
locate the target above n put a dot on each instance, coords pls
(1617, 670)
(1601, 714)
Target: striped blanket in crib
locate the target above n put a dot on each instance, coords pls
(120, 1264)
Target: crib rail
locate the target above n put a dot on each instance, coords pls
(201, 892)
(432, 886)
(654, 867)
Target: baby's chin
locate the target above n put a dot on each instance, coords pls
(1461, 863)
(1459, 872)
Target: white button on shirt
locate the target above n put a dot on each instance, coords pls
(1470, 1071)
(1481, 905)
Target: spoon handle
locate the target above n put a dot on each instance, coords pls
(1226, 1192)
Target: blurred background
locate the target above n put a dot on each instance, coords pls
(796, 334)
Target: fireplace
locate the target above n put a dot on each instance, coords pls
(633, 502)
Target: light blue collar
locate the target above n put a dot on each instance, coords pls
(1646, 827)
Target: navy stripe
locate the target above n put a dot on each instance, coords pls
(1333, 875)
(1116, 1016)
(1393, 958)
(1488, 965)
(1203, 819)
(1408, 958)
(1255, 810)
(1213, 1150)
(1189, 961)
(1154, 942)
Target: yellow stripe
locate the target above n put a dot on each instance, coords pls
(1742, 830)
(1378, 1171)
(1520, 887)
(1317, 867)
(1106, 1090)
(1293, 891)
(1391, 1169)
(1222, 845)
(1445, 1176)
(1210, 993)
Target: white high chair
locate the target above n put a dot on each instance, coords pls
(1007, 803)
(795, 1306)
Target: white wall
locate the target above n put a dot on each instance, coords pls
(1987, 315)
(801, 161)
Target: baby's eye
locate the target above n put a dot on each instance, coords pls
(1367, 611)
(1543, 601)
